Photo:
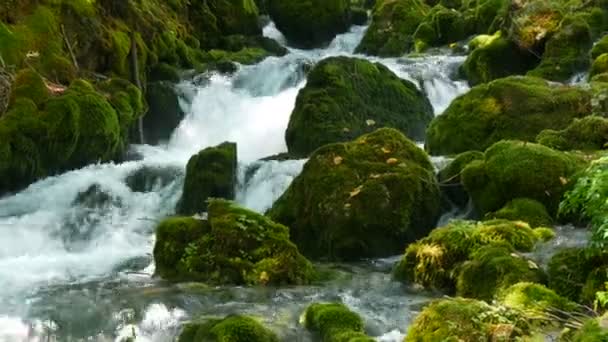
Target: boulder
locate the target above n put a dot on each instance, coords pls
(232, 245)
(233, 328)
(587, 134)
(310, 23)
(509, 108)
(441, 26)
(346, 97)
(524, 209)
(361, 199)
(335, 322)
(600, 65)
(211, 173)
(534, 299)
(515, 169)
(164, 113)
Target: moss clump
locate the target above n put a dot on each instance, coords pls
(441, 26)
(210, 173)
(335, 322)
(578, 273)
(566, 53)
(594, 329)
(544, 234)
(600, 48)
(30, 85)
(524, 209)
(535, 300)
(508, 108)
(433, 261)
(534, 22)
(294, 18)
(393, 25)
(364, 198)
(449, 177)
(346, 97)
(600, 65)
(514, 169)
(234, 328)
(495, 57)
(492, 268)
(586, 134)
(459, 319)
(233, 246)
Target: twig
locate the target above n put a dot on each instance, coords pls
(69, 46)
(137, 81)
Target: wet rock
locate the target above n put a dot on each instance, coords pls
(164, 113)
(150, 178)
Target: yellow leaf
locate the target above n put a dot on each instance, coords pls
(564, 180)
(370, 122)
(338, 160)
(356, 191)
(392, 161)
(386, 150)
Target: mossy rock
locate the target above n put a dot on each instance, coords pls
(494, 57)
(234, 328)
(346, 97)
(566, 52)
(360, 199)
(335, 322)
(593, 330)
(509, 108)
(600, 48)
(577, 273)
(535, 300)
(459, 319)
(600, 65)
(295, 19)
(449, 177)
(211, 173)
(534, 22)
(30, 85)
(233, 246)
(441, 26)
(434, 260)
(587, 134)
(524, 209)
(493, 268)
(164, 114)
(391, 32)
(515, 169)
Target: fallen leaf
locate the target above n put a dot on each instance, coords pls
(356, 191)
(338, 160)
(392, 161)
(370, 122)
(564, 180)
(386, 150)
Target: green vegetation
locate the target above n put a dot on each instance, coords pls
(587, 134)
(524, 209)
(335, 322)
(233, 328)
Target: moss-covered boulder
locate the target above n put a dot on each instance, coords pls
(346, 97)
(535, 300)
(335, 322)
(578, 273)
(393, 25)
(459, 319)
(524, 209)
(587, 134)
(533, 22)
(165, 112)
(364, 198)
(441, 26)
(508, 108)
(211, 173)
(600, 48)
(232, 246)
(30, 85)
(515, 169)
(434, 261)
(449, 177)
(566, 52)
(234, 328)
(494, 57)
(309, 23)
(600, 65)
(492, 268)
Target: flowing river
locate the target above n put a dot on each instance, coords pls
(75, 249)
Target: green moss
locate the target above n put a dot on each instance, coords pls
(210, 173)
(508, 108)
(600, 48)
(364, 198)
(120, 47)
(234, 328)
(60, 69)
(449, 177)
(484, 16)
(294, 18)
(593, 330)
(544, 234)
(534, 22)
(492, 268)
(600, 65)
(393, 25)
(535, 300)
(566, 52)
(62, 114)
(589, 133)
(524, 209)
(459, 319)
(440, 27)
(347, 97)
(434, 260)
(335, 322)
(164, 72)
(234, 246)
(29, 84)
(495, 57)
(514, 169)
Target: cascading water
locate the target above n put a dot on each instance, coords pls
(75, 249)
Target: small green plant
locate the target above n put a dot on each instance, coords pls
(601, 300)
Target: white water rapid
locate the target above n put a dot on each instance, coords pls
(75, 249)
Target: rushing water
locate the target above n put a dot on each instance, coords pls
(75, 249)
